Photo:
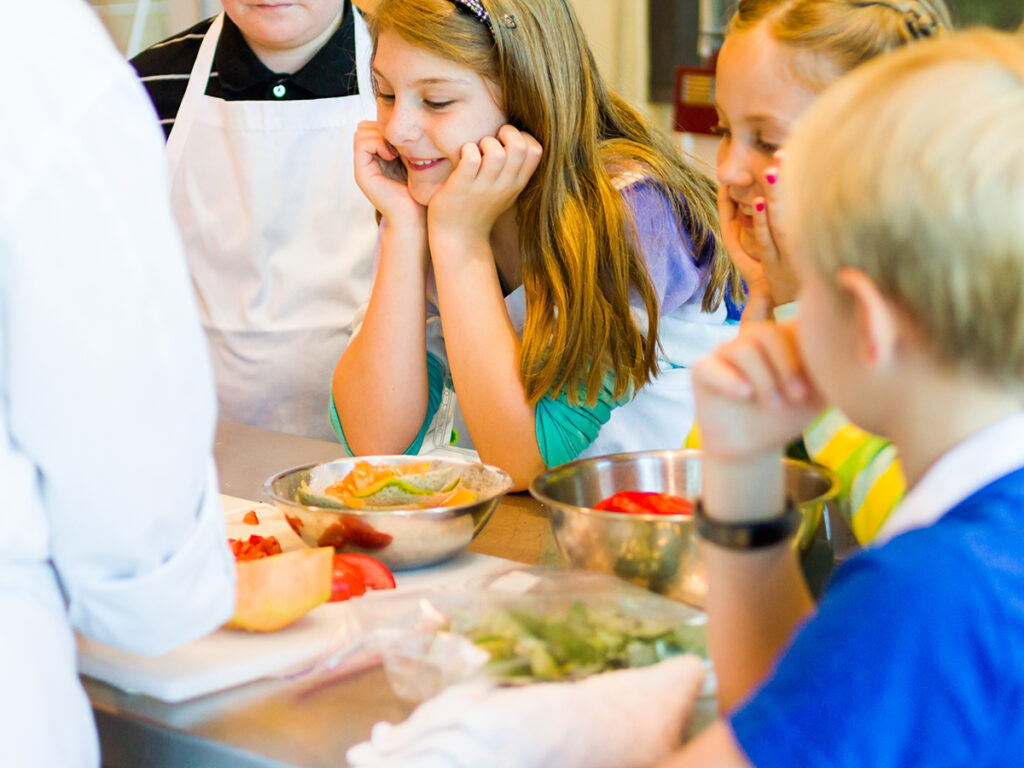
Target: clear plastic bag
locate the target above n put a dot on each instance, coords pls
(439, 432)
(519, 626)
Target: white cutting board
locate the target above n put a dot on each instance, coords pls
(227, 657)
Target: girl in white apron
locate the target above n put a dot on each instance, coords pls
(279, 240)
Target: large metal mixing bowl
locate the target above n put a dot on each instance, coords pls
(655, 551)
(400, 538)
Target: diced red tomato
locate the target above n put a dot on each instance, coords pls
(250, 518)
(645, 503)
(376, 575)
(254, 547)
(346, 580)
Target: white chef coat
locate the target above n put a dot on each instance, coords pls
(110, 522)
(279, 240)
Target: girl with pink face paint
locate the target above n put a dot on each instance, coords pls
(776, 59)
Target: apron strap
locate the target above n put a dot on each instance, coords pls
(364, 50)
(194, 91)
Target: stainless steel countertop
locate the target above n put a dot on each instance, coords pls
(307, 722)
(279, 722)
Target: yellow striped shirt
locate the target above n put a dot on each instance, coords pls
(867, 465)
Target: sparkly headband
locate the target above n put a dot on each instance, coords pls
(476, 9)
(920, 22)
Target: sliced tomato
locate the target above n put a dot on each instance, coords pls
(624, 501)
(376, 575)
(645, 503)
(669, 504)
(346, 580)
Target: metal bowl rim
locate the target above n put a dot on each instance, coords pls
(429, 512)
(830, 493)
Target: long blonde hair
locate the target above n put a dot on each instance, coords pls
(580, 252)
(840, 35)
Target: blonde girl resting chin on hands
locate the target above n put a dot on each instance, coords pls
(539, 244)
(777, 57)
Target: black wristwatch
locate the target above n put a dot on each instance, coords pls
(748, 535)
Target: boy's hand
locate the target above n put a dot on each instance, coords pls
(382, 177)
(485, 183)
(753, 394)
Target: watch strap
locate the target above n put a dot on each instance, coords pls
(753, 534)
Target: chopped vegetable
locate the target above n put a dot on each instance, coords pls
(525, 646)
(250, 518)
(645, 503)
(254, 547)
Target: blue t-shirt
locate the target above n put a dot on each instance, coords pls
(915, 656)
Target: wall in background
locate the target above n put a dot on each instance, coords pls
(137, 24)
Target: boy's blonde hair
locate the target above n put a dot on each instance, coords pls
(581, 259)
(911, 169)
(832, 37)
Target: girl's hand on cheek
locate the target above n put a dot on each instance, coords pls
(381, 176)
(485, 183)
(781, 282)
(748, 265)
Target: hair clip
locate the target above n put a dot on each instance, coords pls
(476, 9)
(918, 20)
(920, 23)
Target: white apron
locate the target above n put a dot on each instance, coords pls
(279, 240)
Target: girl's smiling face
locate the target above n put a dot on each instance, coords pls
(428, 107)
(758, 101)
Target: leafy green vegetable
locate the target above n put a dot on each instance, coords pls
(525, 646)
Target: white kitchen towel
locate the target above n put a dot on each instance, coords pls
(625, 719)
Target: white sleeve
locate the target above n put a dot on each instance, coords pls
(108, 381)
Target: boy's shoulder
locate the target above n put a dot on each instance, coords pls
(173, 56)
(982, 533)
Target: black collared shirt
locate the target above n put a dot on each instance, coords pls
(239, 75)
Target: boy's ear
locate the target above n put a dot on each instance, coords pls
(877, 321)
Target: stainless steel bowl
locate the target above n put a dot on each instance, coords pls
(400, 538)
(655, 551)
